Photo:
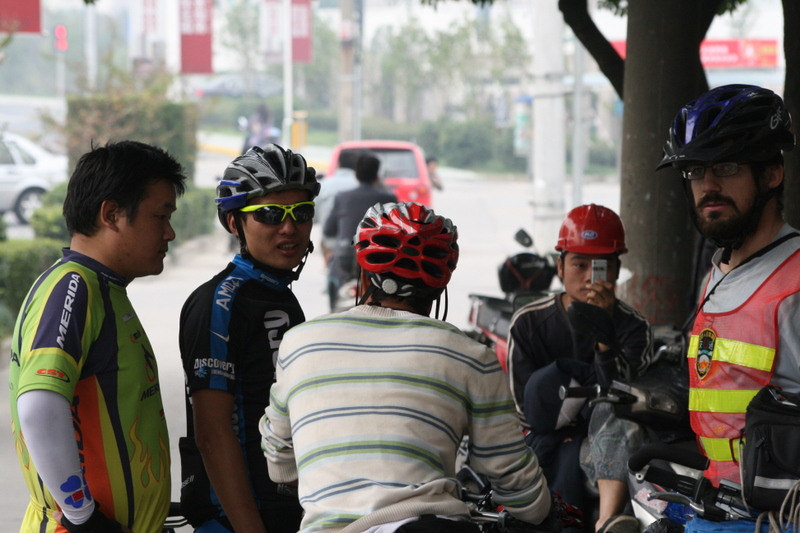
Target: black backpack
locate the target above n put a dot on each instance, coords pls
(771, 457)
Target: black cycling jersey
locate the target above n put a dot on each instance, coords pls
(230, 330)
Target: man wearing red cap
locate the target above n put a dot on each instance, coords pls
(544, 349)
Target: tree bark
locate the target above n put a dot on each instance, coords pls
(576, 15)
(662, 73)
(791, 94)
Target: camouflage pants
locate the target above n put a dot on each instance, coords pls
(610, 442)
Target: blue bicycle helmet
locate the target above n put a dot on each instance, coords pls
(259, 172)
(732, 122)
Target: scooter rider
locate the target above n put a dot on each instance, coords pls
(728, 145)
(371, 404)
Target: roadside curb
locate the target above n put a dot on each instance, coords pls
(232, 152)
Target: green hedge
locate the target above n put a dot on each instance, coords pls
(196, 214)
(21, 262)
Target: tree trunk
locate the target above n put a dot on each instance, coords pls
(791, 93)
(659, 79)
(576, 15)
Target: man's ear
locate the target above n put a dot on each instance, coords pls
(560, 266)
(773, 176)
(231, 221)
(109, 215)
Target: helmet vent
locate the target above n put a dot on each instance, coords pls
(437, 252)
(408, 264)
(380, 258)
(431, 269)
(387, 240)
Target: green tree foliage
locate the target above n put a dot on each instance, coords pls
(128, 105)
(462, 66)
(240, 36)
(317, 79)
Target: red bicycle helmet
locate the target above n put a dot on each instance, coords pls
(592, 229)
(406, 249)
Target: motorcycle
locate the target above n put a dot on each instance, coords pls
(524, 277)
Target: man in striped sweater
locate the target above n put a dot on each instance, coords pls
(370, 405)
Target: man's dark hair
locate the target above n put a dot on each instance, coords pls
(759, 169)
(431, 159)
(119, 172)
(349, 158)
(367, 168)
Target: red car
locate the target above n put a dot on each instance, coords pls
(403, 168)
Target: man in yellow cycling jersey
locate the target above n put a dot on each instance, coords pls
(87, 414)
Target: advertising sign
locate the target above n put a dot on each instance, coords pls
(195, 21)
(20, 16)
(731, 53)
(272, 31)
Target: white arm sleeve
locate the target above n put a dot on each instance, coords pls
(45, 419)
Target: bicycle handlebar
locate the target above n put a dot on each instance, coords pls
(593, 391)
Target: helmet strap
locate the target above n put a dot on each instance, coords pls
(291, 275)
(240, 230)
(296, 274)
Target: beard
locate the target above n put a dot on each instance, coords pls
(719, 228)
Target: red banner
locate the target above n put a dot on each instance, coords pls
(195, 20)
(731, 53)
(272, 31)
(301, 31)
(20, 16)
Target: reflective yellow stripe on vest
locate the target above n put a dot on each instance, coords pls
(720, 401)
(739, 353)
(721, 449)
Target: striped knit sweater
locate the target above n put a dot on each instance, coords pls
(369, 409)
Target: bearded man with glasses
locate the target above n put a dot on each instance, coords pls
(729, 144)
(230, 330)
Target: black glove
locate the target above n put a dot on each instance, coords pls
(560, 511)
(97, 523)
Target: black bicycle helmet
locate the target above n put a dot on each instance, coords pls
(259, 172)
(732, 122)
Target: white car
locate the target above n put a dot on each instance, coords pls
(27, 171)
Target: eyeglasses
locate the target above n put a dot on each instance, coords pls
(276, 213)
(720, 170)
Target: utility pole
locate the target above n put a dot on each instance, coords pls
(288, 103)
(347, 38)
(578, 128)
(358, 46)
(90, 47)
(549, 166)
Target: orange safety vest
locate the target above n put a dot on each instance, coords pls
(731, 356)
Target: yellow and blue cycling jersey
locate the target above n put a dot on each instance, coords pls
(78, 335)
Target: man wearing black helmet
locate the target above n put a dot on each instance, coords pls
(230, 330)
(728, 145)
(370, 405)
